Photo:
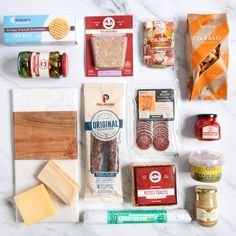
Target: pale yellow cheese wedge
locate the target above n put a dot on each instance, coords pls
(59, 182)
(34, 204)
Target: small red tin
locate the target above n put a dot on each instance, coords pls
(154, 184)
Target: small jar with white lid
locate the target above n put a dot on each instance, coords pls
(206, 166)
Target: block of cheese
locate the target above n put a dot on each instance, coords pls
(34, 204)
(59, 182)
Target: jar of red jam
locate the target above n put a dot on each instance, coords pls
(207, 128)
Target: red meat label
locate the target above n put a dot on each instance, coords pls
(155, 185)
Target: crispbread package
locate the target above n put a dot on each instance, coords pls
(207, 56)
(104, 114)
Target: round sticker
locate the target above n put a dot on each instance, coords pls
(43, 64)
(155, 176)
(108, 23)
(105, 125)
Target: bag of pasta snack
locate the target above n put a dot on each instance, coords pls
(207, 56)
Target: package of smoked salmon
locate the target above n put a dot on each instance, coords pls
(207, 56)
(104, 106)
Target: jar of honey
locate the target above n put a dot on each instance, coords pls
(42, 64)
(206, 205)
(207, 128)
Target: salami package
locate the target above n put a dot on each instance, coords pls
(155, 122)
(109, 46)
(207, 56)
(104, 114)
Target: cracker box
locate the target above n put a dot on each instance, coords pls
(109, 46)
(153, 184)
(39, 29)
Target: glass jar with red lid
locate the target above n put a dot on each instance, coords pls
(207, 128)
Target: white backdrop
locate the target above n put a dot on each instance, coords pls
(142, 10)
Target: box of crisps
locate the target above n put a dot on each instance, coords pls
(153, 184)
(39, 29)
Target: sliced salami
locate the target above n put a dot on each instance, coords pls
(161, 135)
(144, 134)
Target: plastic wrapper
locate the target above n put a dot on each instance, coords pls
(154, 120)
(109, 46)
(95, 217)
(159, 43)
(207, 56)
(104, 115)
(109, 51)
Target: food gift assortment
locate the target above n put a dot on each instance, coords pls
(207, 56)
(109, 46)
(39, 29)
(45, 120)
(159, 43)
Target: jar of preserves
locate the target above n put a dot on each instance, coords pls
(207, 128)
(206, 205)
(42, 64)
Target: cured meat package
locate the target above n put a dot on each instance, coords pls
(109, 46)
(104, 115)
(159, 43)
(207, 56)
(155, 125)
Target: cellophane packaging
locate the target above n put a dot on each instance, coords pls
(153, 122)
(109, 46)
(159, 43)
(207, 56)
(104, 109)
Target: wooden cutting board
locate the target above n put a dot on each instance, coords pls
(45, 135)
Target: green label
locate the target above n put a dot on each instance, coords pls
(139, 216)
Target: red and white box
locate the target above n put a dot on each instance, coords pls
(109, 46)
(153, 184)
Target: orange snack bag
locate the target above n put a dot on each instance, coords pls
(207, 56)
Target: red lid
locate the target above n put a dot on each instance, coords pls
(64, 64)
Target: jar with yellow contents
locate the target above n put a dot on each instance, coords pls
(206, 205)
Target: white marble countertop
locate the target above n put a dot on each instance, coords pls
(141, 10)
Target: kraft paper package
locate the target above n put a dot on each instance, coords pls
(207, 56)
(104, 116)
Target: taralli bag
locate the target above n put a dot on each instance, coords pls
(104, 115)
(207, 56)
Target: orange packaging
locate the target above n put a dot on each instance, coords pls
(207, 56)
